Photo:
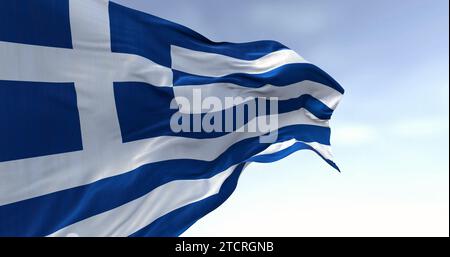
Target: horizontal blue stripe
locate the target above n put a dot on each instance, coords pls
(36, 22)
(284, 75)
(37, 119)
(143, 34)
(140, 118)
(45, 214)
(176, 222)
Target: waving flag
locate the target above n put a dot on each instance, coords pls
(97, 137)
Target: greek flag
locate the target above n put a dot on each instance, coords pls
(114, 122)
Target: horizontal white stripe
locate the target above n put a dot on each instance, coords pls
(324, 150)
(273, 148)
(48, 64)
(27, 178)
(327, 95)
(217, 65)
(135, 215)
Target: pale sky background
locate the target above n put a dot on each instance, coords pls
(389, 134)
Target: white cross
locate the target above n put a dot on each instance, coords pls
(93, 68)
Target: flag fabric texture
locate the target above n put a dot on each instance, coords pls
(86, 146)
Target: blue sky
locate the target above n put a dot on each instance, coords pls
(390, 132)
